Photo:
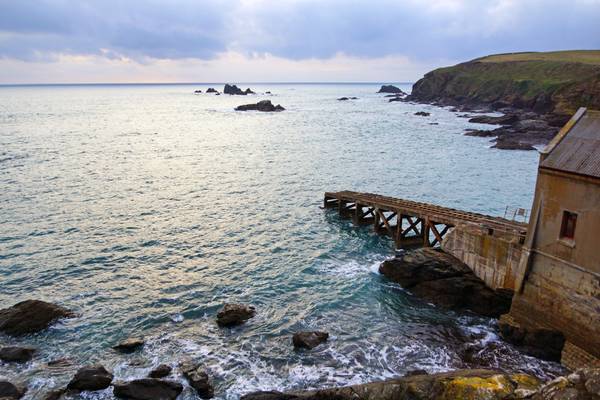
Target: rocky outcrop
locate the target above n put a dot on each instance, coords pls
(234, 314)
(198, 379)
(234, 90)
(147, 389)
(543, 343)
(16, 354)
(583, 384)
(444, 280)
(161, 371)
(130, 345)
(10, 391)
(422, 114)
(461, 384)
(390, 89)
(31, 316)
(309, 339)
(211, 90)
(263, 105)
(90, 378)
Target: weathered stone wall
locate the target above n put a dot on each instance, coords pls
(494, 258)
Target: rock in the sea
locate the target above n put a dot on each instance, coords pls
(235, 314)
(130, 345)
(211, 90)
(248, 91)
(422, 114)
(147, 389)
(268, 92)
(309, 339)
(10, 391)
(55, 394)
(347, 98)
(546, 344)
(31, 316)
(161, 371)
(90, 378)
(442, 279)
(390, 89)
(507, 119)
(16, 354)
(198, 91)
(233, 89)
(198, 379)
(263, 105)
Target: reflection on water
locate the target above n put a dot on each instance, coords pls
(145, 208)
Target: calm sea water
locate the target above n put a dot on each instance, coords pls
(145, 208)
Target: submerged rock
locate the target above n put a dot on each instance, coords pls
(130, 345)
(10, 391)
(234, 314)
(16, 354)
(198, 379)
(422, 114)
(309, 339)
(197, 91)
(442, 279)
(546, 344)
(148, 389)
(161, 371)
(347, 98)
(390, 89)
(90, 378)
(31, 316)
(263, 105)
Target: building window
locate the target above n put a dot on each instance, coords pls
(567, 229)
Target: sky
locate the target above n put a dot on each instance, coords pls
(139, 41)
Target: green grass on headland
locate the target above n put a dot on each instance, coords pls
(570, 56)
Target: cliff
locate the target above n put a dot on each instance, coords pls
(547, 83)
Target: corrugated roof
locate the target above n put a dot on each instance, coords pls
(578, 150)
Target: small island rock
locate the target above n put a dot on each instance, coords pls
(147, 389)
(16, 354)
(234, 90)
(31, 316)
(234, 314)
(211, 90)
(309, 339)
(263, 105)
(161, 371)
(130, 345)
(91, 378)
(198, 379)
(390, 89)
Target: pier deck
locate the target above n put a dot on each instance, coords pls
(411, 223)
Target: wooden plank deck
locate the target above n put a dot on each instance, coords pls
(410, 222)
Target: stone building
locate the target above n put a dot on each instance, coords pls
(558, 280)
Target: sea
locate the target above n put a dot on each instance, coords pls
(145, 208)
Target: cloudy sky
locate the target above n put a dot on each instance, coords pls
(44, 41)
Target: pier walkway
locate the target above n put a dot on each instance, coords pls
(411, 223)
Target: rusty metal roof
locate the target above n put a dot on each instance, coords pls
(576, 149)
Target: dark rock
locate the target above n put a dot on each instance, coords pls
(60, 362)
(444, 280)
(556, 120)
(416, 372)
(390, 89)
(271, 395)
(16, 354)
(510, 144)
(546, 344)
(130, 345)
(248, 91)
(161, 371)
(309, 339)
(508, 119)
(434, 123)
(481, 133)
(9, 391)
(343, 99)
(531, 125)
(233, 89)
(263, 105)
(422, 114)
(90, 378)
(396, 98)
(267, 92)
(147, 389)
(31, 316)
(198, 379)
(234, 314)
(55, 394)
(197, 91)
(211, 90)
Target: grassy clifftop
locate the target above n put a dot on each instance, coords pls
(550, 82)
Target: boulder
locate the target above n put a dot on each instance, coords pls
(211, 90)
(10, 391)
(90, 378)
(31, 316)
(263, 105)
(233, 89)
(130, 345)
(147, 389)
(444, 280)
(234, 314)
(309, 339)
(546, 344)
(161, 371)
(390, 89)
(198, 379)
(16, 354)
(422, 114)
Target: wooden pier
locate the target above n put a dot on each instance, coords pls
(410, 223)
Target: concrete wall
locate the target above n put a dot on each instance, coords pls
(561, 288)
(493, 258)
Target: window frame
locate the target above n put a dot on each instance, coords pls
(566, 232)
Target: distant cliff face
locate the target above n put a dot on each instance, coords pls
(559, 84)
